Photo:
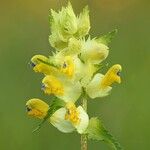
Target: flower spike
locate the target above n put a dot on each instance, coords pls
(71, 73)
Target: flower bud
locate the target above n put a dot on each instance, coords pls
(93, 51)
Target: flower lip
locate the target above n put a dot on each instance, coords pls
(32, 64)
(119, 73)
(43, 87)
(64, 65)
(27, 108)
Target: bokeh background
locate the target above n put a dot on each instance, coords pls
(24, 30)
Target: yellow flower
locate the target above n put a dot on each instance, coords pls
(61, 87)
(37, 108)
(51, 85)
(113, 75)
(72, 114)
(41, 64)
(68, 66)
(101, 84)
(75, 115)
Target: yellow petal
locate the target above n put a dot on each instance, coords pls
(112, 75)
(39, 65)
(72, 114)
(37, 108)
(52, 85)
(62, 87)
(36, 59)
(68, 66)
(77, 116)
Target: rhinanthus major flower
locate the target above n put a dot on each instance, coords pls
(72, 73)
(66, 119)
(72, 114)
(100, 85)
(61, 88)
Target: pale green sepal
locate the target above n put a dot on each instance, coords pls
(57, 117)
(83, 23)
(63, 25)
(57, 42)
(97, 131)
(93, 51)
(68, 20)
(94, 89)
(58, 120)
(74, 47)
(106, 39)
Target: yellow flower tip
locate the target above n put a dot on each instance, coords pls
(36, 59)
(45, 69)
(41, 67)
(112, 75)
(38, 66)
(37, 108)
(68, 67)
(52, 85)
(72, 114)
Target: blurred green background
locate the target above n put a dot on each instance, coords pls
(24, 30)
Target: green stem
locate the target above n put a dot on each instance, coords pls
(84, 136)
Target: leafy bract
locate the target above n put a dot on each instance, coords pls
(97, 131)
(107, 38)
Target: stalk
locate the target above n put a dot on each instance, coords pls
(84, 136)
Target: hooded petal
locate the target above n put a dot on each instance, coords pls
(100, 84)
(62, 87)
(37, 108)
(41, 64)
(72, 67)
(69, 65)
(58, 121)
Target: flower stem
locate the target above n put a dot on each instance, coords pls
(84, 136)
